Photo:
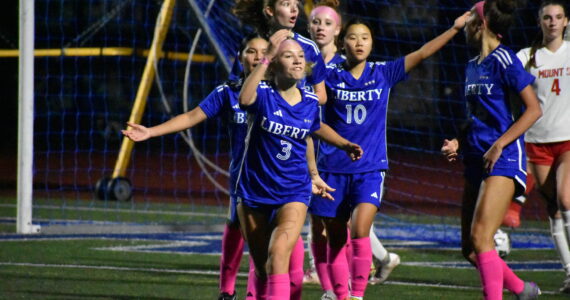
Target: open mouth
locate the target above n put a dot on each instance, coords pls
(293, 19)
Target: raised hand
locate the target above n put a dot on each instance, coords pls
(461, 20)
(449, 149)
(137, 133)
(274, 41)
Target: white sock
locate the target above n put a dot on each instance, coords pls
(561, 240)
(311, 256)
(378, 250)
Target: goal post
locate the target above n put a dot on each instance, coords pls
(26, 120)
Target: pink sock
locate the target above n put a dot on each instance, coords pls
(320, 254)
(338, 271)
(361, 262)
(232, 250)
(296, 269)
(252, 282)
(278, 286)
(489, 264)
(510, 280)
(348, 247)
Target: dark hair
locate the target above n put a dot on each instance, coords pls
(353, 21)
(330, 3)
(251, 12)
(538, 39)
(246, 40)
(499, 15)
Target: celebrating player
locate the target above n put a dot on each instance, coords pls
(274, 187)
(492, 145)
(548, 140)
(268, 16)
(324, 27)
(223, 101)
(358, 93)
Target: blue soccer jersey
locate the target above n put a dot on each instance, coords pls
(223, 101)
(312, 56)
(487, 87)
(274, 168)
(336, 60)
(356, 109)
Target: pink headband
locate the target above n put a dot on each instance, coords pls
(327, 10)
(479, 8)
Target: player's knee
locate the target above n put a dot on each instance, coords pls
(278, 261)
(564, 199)
(360, 231)
(480, 238)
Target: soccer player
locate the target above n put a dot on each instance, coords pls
(548, 140)
(358, 93)
(223, 102)
(492, 145)
(268, 16)
(273, 186)
(324, 27)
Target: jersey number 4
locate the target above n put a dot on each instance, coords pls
(555, 87)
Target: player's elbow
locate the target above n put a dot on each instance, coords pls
(244, 99)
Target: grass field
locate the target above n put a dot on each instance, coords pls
(185, 266)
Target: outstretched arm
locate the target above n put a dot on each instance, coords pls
(415, 58)
(181, 122)
(530, 115)
(327, 134)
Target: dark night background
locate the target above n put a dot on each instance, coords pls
(9, 78)
(82, 103)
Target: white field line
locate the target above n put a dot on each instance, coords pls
(216, 273)
(123, 210)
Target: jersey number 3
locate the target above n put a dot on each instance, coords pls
(555, 87)
(286, 150)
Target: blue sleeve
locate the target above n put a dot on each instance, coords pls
(214, 102)
(318, 71)
(394, 71)
(260, 99)
(316, 121)
(237, 70)
(516, 77)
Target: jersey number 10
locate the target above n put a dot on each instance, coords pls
(359, 114)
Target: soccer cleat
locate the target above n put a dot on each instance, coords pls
(226, 296)
(384, 270)
(311, 277)
(355, 298)
(530, 291)
(565, 289)
(328, 295)
(513, 216)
